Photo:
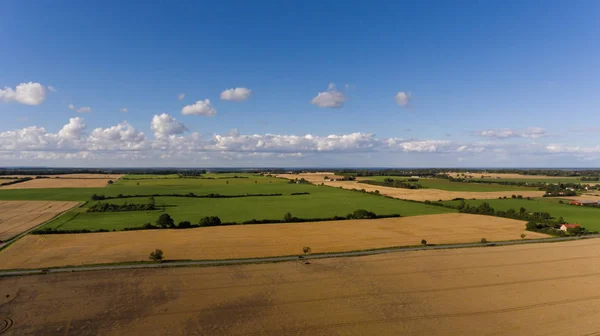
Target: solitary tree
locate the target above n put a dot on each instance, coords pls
(483, 241)
(110, 182)
(306, 250)
(156, 255)
(423, 242)
(288, 217)
(523, 236)
(151, 201)
(165, 221)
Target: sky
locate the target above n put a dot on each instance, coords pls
(300, 83)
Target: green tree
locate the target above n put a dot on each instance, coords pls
(522, 211)
(423, 242)
(210, 221)
(484, 241)
(288, 217)
(184, 225)
(151, 201)
(523, 236)
(306, 250)
(165, 221)
(156, 255)
(110, 182)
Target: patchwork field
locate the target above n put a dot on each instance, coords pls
(20, 216)
(524, 290)
(443, 184)
(585, 216)
(245, 241)
(58, 183)
(519, 177)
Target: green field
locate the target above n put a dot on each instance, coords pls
(538, 180)
(586, 217)
(322, 202)
(443, 184)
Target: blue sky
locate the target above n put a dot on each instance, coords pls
(485, 83)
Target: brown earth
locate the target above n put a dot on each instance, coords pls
(78, 176)
(245, 241)
(512, 290)
(20, 216)
(410, 194)
(58, 183)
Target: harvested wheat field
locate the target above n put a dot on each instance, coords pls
(58, 183)
(505, 176)
(78, 176)
(245, 241)
(510, 290)
(20, 216)
(584, 197)
(410, 194)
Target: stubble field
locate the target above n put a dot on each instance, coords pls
(246, 241)
(525, 290)
(20, 216)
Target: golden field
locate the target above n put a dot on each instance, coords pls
(540, 289)
(504, 176)
(20, 216)
(409, 194)
(245, 241)
(59, 183)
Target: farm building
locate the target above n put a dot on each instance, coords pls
(565, 227)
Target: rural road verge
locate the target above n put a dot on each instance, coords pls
(185, 263)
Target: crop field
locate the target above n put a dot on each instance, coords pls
(442, 184)
(245, 241)
(20, 216)
(499, 177)
(525, 290)
(58, 183)
(586, 217)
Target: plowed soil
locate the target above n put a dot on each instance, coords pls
(20, 216)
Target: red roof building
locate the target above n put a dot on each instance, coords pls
(564, 227)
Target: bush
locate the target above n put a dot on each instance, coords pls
(423, 242)
(184, 225)
(362, 214)
(288, 217)
(156, 255)
(484, 241)
(165, 221)
(210, 221)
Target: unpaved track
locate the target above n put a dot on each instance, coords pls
(20, 216)
(508, 290)
(409, 194)
(246, 241)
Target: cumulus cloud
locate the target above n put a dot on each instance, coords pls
(124, 109)
(166, 125)
(180, 96)
(73, 130)
(506, 133)
(25, 93)
(332, 98)
(201, 107)
(237, 94)
(403, 98)
(82, 109)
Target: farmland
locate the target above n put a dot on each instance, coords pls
(50, 183)
(511, 177)
(586, 217)
(450, 292)
(442, 184)
(20, 216)
(245, 241)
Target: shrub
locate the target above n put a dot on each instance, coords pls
(184, 225)
(484, 241)
(288, 217)
(362, 214)
(165, 221)
(306, 250)
(156, 255)
(523, 236)
(210, 221)
(423, 242)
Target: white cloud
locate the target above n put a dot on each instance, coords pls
(73, 130)
(201, 107)
(165, 125)
(82, 109)
(124, 109)
(180, 96)
(532, 132)
(119, 137)
(237, 94)
(403, 98)
(52, 88)
(332, 98)
(426, 146)
(25, 93)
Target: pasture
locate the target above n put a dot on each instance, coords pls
(20, 216)
(245, 241)
(586, 217)
(449, 292)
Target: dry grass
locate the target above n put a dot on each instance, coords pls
(58, 183)
(512, 290)
(410, 194)
(505, 176)
(584, 197)
(246, 241)
(20, 216)
(78, 176)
